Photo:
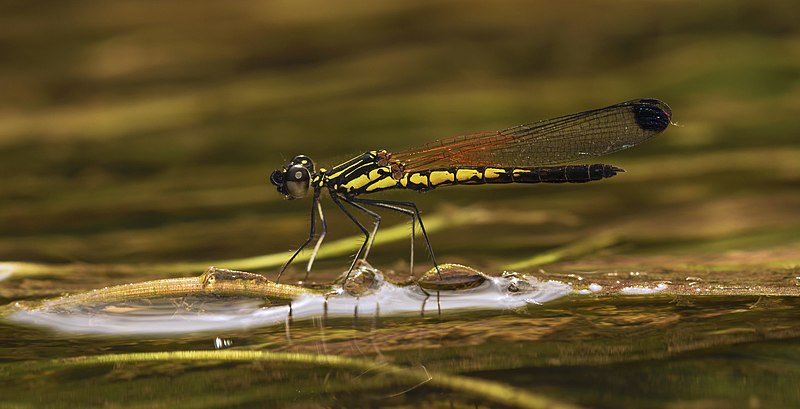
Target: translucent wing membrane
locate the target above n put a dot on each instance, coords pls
(556, 141)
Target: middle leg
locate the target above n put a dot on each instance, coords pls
(410, 209)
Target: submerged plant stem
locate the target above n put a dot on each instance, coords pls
(489, 390)
(214, 281)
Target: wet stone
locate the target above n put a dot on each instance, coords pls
(451, 277)
(517, 283)
(363, 281)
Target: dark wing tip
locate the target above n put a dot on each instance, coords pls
(651, 114)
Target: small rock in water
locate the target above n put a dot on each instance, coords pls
(363, 280)
(517, 282)
(451, 277)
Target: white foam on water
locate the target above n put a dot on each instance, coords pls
(199, 314)
(215, 314)
(643, 290)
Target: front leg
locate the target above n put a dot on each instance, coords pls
(311, 234)
(319, 240)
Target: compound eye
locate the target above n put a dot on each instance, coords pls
(303, 160)
(276, 178)
(298, 180)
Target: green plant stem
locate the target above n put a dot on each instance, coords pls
(214, 281)
(340, 247)
(575, 249)
(489, 390)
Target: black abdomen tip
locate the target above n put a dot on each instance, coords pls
(651, 114)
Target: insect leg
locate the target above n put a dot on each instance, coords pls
(375, 216)
(337, 199)
(412, 207)
(319, 240)
(405, 211)
(311, 234)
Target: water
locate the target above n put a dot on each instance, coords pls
(195, 314)
(595, 342)
(136, 144)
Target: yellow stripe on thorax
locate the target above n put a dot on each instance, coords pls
(376, 179)
(351, 165)
(385, 182)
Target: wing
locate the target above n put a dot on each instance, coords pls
(550, 142)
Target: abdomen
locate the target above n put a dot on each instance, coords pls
(430, 179)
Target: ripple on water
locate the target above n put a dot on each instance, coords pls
(202, 313)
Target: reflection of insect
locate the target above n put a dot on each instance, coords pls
(532, 153)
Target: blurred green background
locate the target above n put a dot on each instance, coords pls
(139, 133)
(134, 132)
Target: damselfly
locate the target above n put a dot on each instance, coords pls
(534, 153)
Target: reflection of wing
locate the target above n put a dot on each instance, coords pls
(554, 141)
